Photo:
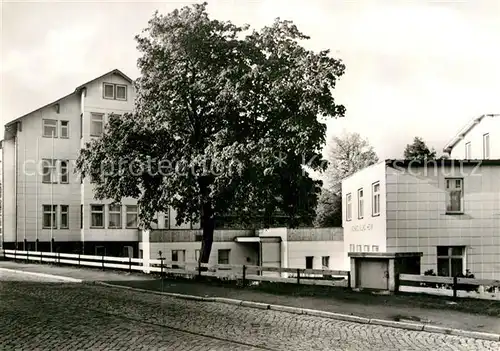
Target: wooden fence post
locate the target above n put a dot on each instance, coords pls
(27, 257)
(41, 256)
(298, 275)
(102, 262)
(396, 284)
(348, 279)
(58, 258)
(455, 283)
(130, 264)
(78, 260)
(244, 275)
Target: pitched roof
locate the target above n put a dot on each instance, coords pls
(463, 132)
(77, 89)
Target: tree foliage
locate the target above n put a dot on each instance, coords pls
(348, 154)
(419, 151)
(224, 120)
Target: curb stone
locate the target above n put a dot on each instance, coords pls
(394, 324)
(44, 275)
(322, 314)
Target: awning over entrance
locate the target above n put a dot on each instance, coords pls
(257, 239)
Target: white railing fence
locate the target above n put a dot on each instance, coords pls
(162, 266)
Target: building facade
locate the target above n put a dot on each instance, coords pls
(478, 140)
(310, 248)
(448, 209)
(45, 205)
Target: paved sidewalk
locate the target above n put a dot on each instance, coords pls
(85, 274)
(438, 317)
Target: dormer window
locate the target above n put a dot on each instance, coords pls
(115, 91)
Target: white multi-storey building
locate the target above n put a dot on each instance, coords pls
(447, 209)
(45, 205)
(479, 139)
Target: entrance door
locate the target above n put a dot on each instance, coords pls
(373, 274)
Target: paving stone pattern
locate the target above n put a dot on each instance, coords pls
(65, 316)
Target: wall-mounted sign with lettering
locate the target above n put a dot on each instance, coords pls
(361, 227)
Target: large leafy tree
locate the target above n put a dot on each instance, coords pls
(419, 150)
(224, 120)
(348, 154)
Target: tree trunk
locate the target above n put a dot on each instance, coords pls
(208, 225)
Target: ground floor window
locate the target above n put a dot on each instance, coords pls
(223, 256)
(450, 260)
(325, 262)
(177, 255)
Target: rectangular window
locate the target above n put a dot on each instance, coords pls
(454, 195)
(49, 171)
(64, 224)
(348, 211)
(166, 220)
(375, 248)
(223, 256)
(49, 216)
(64, 172)
(109, 91)
(97, 216)
(97, 124)
(486, 146)
(50, 128)
(450, 260)
(325, 262)
(360, 203)
(115, 216)
(352, 248)
(64, 129)
(178, 255)
(358, 248)
(131, 216)
(376, 199)
(468, 151)
(309, 262)
(197, 255)
(121, 92)
(366, 248)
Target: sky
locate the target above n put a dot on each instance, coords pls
(413, 68)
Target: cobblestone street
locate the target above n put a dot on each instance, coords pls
(65, 316)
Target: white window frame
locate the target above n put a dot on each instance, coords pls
(104, 91)
(50, 210)
(116, 92)
(115, 210)
(176, 252)
(450, 256)
(375, 248)
(375, 199)
(64, 129)
(366, 248)
(359, 248)
(49, 169)
(222, 260)
(352, 248)
(64, 171)
(361, 203)
(63, 211)
(94, 211)
(52, 126)
(96, 118)
(451, 185)
(486, 146)
(325, 262)
(348, 207)
(130, 212)
(468, 150)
